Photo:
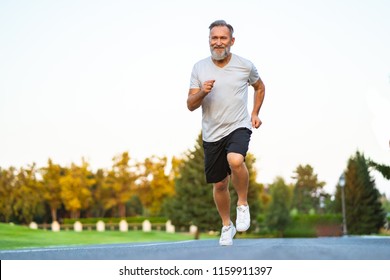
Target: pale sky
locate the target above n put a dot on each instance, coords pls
(94, 79)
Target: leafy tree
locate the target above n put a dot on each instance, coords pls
(154, 186)
(51, 176)
(381, 168)
(364, 211)
(28, 194)
(307, 190)
(76, 188)
(121, 179)
(278, 214)
(7, 193)
(100, 192)
(134, 206)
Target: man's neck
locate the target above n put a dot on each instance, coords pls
(222, 63)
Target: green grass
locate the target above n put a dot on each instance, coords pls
(18, 237)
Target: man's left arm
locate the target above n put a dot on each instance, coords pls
(257, 102)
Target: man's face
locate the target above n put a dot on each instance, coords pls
(220, 42)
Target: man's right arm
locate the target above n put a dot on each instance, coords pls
(196, 95)
(195, 98)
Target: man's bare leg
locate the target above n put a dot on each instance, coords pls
(222, 200)
(240, 177)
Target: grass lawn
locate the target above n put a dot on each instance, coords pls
(17, 237)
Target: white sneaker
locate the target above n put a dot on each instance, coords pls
(243, 220)
(227, 234)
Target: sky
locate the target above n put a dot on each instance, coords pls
(93, 79)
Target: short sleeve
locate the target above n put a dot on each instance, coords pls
(194, 81)
(253, 75)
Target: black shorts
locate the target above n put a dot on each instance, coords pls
(216, 165)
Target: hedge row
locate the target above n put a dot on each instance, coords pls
(130, 220)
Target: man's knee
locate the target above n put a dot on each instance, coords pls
(222, 185)
(235, 160)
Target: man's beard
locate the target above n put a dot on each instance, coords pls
(219, 56)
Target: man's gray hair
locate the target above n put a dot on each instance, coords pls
(222, 23)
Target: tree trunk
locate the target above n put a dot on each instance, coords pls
(53, 214)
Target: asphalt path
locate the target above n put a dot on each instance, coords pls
(326, 248)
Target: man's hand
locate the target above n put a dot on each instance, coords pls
(256, 122)
(196, 95)
(208, 86)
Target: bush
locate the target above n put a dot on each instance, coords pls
(304, 225)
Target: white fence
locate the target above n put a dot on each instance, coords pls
(122, 226)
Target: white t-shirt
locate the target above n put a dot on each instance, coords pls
(224, 109)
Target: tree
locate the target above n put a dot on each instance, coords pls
(307, 190)
(154, 185)
(278, 214)
(122, 182)
(381, 168)
(51, 176)
(28, 192)
(7, 193)
(100, 192)
(364, 211)
(76, 188)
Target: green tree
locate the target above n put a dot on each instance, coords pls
(381, 168)
(278, 214)
(364, 211)
(51, 176)
(100, 192)
(307, 190)
(121, 180)
(7, 193)
(29, 195)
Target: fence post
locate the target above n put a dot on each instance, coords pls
(33, 225)
(123, 226)
(100, 226)
(146, 226)
(78, 226)
(169, 227)
(55, 226)
(194, 230)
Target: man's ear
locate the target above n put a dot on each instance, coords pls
(233, 39)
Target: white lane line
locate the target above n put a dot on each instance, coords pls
(91, 247)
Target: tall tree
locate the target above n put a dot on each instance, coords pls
(381, 168)
(364, 211)
(7, 193)
(51, 175)
(76, 188)
(278, 214)
(28, 194)
(122, 178)
(154, 184)
(101, 193)
(307, 190)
